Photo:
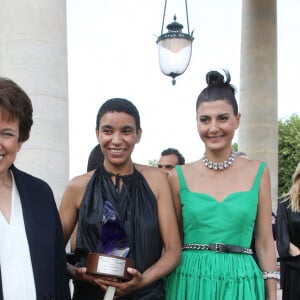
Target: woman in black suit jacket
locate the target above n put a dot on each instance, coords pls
(30, 229)
(288, 239)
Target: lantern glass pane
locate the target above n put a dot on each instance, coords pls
(174, 55)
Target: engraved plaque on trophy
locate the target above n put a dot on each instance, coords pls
(111, 259)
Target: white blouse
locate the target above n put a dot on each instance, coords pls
(16, 269)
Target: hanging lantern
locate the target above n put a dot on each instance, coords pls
(174, 48)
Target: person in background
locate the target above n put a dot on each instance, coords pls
(169, 158)
(288, 239)
(219, 199)
(142, 197)
(96, 158)
(32, 251)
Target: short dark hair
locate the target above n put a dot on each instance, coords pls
(119, 105)
(169, 151)
(17, 103)
(218, 89)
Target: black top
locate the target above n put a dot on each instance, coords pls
(137, 208)
(288, 230)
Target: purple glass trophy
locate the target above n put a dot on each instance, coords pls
(113, 248)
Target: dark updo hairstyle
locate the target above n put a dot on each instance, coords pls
(119, 105)
(218, 89)
(18, 105)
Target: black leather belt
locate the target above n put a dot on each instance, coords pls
(218, 247)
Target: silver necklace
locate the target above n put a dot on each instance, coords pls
(221, 165)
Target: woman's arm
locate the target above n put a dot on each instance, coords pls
(265, 247)
(175, 189)
(68, 209)
(68, 212)
(169, 231)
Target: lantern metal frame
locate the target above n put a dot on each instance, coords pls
(173, 35)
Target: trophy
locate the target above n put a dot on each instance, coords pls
(111, 257)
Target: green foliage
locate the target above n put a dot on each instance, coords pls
(235, 147)
(288, 151)
(153, 162)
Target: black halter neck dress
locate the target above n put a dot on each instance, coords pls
(137, 208)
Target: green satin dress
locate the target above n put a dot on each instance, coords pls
(209, 275)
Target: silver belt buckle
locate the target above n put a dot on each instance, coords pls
(219, 247)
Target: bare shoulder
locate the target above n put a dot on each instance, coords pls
(154, 177)
(76, 187)
(149, 172)
(249, 163)
(190, 168)
(249, 167)
(80, 182)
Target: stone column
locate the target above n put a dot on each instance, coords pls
(258, 133)
(33, 53)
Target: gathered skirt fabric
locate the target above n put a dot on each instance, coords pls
(291, 284)
(207, 275)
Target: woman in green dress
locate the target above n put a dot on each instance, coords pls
(219, 200)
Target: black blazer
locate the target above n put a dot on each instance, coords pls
(288, 228)
(45, 238)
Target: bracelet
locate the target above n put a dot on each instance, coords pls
(271, 275)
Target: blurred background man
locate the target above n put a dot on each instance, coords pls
(169, 158)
